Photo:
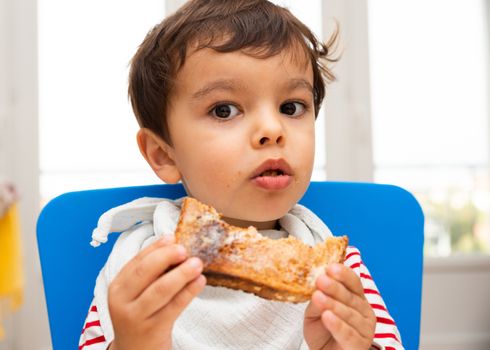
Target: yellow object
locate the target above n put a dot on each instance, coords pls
(11, 277)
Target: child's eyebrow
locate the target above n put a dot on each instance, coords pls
(294, 84)
(233, 85)
(222, 84)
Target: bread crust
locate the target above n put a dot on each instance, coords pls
(241, 258)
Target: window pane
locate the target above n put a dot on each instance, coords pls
(429, 75)
(87, 128)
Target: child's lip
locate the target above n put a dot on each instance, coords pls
(273, 164)
(273, 182)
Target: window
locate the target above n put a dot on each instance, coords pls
(429, 88)
(87, 128)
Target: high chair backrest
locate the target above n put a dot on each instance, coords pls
(385, 222)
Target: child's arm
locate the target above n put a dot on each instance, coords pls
(149, 293)
(92, 337)
(348, 311)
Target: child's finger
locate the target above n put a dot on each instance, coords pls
(364, 325)
(163, 241)
(347, 277)
(316, 307)
(182, 299)
(339, 292)
(165, 288)
(142, 270)
(344, 334)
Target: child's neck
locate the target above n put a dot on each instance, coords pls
(266, 225)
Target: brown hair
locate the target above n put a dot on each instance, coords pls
(259, 26)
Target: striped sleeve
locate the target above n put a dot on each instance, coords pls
(386, 335)
(92, 337)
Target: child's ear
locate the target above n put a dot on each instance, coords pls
(159, 155)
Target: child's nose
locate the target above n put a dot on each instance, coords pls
(269, 130)
(265, 140)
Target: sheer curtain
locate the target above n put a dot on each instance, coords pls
(429, 88)
(87, 128)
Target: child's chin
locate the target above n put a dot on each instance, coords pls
(257, 214)
(264, 217)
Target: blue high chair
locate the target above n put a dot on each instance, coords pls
(385, 222)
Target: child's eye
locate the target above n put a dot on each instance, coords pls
(292, 108)
(224, 111)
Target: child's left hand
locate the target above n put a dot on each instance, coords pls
(339, 316)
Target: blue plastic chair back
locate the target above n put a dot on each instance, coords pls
(385, 222)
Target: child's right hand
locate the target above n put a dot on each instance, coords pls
(150, 292)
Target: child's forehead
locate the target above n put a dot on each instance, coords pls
(207, 71)
(293, 55)
(244, 65)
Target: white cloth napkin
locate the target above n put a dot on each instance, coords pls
(218, 318)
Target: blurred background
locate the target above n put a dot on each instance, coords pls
(410, 107)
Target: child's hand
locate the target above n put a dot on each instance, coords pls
(146, 297)
(339, 316)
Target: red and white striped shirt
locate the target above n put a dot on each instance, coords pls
(386, 335)
(92, 337)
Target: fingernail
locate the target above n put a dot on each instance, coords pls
(201, 280)
(322, 298)
(336, 269)
(329, 315)
(195, 263)
(181, 250)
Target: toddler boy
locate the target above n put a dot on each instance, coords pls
(226, 94)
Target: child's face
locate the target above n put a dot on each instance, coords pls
(233, 116)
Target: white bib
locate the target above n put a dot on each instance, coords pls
(218, 318)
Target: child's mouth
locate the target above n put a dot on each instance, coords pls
(273, 179)
(272, 173)
(272, 168)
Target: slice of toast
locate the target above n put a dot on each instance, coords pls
(241, 258)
